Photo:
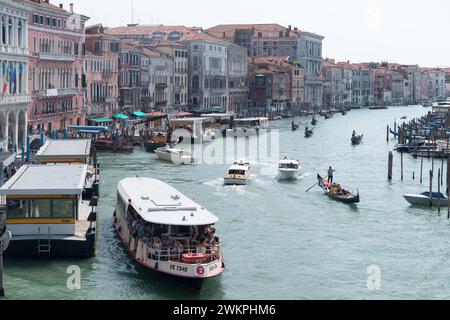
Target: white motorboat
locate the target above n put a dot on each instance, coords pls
(167, 232)
(176, 156)
(238, 174)
(288, 169)
(423, 199)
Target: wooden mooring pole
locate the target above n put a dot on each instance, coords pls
(401, 165)
(387, 133)
(439, 190)
(421, 170)
(390, 165)
(431, 188)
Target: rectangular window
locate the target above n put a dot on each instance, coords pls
(63, 208)
(40, 208)
(17, 209)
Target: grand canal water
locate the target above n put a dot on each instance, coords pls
(279, 242)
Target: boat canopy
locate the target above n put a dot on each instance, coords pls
(121, 116)
(158, 203)
(92, 129)
(434, 195)
(34, 180)
(65, 148)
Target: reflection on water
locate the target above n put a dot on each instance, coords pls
(279, 241)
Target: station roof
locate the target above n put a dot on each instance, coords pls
(65, 148)
(158, 203)
(31, 180)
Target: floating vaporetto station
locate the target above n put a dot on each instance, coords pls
(46, 213)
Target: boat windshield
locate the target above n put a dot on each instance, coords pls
(236, 172)
(288, 166)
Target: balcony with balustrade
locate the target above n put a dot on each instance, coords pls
(49, 93)
(21, 98)
(57, 56)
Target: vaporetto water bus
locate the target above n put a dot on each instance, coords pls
(167, 232)
(46, 213)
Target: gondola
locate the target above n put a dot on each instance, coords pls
(349, 197)
(295, 126)
(356, 140)
(308, 133)
(314, 121)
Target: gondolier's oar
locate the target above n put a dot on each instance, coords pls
(313, 186)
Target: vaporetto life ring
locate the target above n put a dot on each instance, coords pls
(200, 270)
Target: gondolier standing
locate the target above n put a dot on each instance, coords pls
(331, 172)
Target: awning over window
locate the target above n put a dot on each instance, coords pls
(139, 114)
(100, 120)
(121, 116)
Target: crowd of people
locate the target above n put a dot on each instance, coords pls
(200, 239)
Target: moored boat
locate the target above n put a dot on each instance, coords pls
(335, 192)
(167, 232)
(176, 156)
(423, 199)
(238, 174)
(288, 169)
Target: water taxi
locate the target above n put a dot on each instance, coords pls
(167, 232)
(46, 213)
(177, 156)
(74, 152)
(238, 174)
(288, 169)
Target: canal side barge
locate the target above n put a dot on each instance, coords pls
(167, 232)
(46, 213)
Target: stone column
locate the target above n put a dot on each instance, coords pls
(6, 131)
(16, 131)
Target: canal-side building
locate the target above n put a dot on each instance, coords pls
(271, 84)
(130, 88)
(237, 79)
(347, 77)
(334, 85)
(14, 68)
(362, 89)
(101, 73)
(157, 72)
(276, 40)
(56, 41)
(179, 55)
(447, 81)
(208, 72)
(433, 84)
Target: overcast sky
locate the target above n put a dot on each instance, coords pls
(403, 31)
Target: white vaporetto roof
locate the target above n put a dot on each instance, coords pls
(158, 203)
(65, 148)
(33, 180)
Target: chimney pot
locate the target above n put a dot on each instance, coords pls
(71, 7)
(61, 6)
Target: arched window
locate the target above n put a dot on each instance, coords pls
(20, 34)
(10, 31)
(3, 31)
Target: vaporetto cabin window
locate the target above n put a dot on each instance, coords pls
(42, 209)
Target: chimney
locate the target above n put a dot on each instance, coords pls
(71, 8)
(61, 6)
(295, 29)
(289, 27)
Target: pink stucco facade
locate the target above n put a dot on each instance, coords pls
(56, 45)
